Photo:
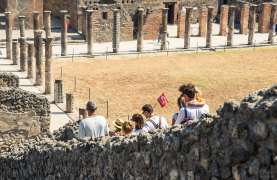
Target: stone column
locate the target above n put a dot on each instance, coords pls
(264, 18)
(140, 31)
(36, 23)
(116, 30)
(47, 24)
(23, 54)
(252, 24)
(22, 25)
(231, 26)
(209, 27)
(49, 84)
(271, 33)
(69, 102)
(58, 95)
(203, 11)
(83, 112)
(223, 20)
(181, 24)
(84, 21)
(8, 35)
(38, 55)
(31, 68)
(15, 52)
(164, 29)
(187, 27)
(63, 33)
(244, 16)
(90, 32)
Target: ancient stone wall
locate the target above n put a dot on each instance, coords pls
(23, 115)
(9, 80)
(3, 4)
(239, 142)
(152, 23)
(25, 8)
(55, 6)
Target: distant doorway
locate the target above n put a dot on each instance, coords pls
(171, 10)
(220, 3)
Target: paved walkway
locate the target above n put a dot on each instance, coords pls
(58, 117)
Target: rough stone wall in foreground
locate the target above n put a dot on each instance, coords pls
(239, 143)
(23, 115)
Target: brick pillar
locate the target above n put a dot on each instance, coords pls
(223, 20)
(252, 24)
(187, 27)
(83, 112)
(244, 16)
(164, 28)
(31, 68)
(63, 33)
(181, 24)
(203, 11)
(84, 22)
(22, 25)
(8, 35)
(264, 18)
(23, 54)
(231, 26)
(39, 57)
(209, 27)
(47, 24)
(69, 102)
(36, 23)
(140, 31)
(116, 30)
(49, 84)
(90, 32)
(15, 52)
(271, 33)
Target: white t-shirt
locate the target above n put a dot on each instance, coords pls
(136, 132)
(93, 126)
(192, 112)
(149, 125)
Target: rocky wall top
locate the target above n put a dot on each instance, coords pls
(9, 80)
(237, 143)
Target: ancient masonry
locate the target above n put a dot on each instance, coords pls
(238, 142)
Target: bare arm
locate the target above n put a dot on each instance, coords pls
(173, 122)
(201, 103)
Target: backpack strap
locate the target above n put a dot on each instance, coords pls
(160, 122)
(186, 115)
(156, 126)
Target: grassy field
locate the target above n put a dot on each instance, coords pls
(130, 82)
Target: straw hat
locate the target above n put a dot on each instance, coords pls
(118, 123)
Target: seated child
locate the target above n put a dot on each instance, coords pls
(200, 101)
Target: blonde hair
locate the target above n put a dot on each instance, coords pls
(181, 101)
(198, 93)
(127, 127)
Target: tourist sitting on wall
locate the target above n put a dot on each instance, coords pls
(128, 128)
(139, 124)
(80, 119)
(93, 125)
(118, 127)
(152, 121)
(181, 103)
(189, 113)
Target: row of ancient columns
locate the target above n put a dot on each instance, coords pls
(27, 62)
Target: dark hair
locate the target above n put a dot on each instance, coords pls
(139, 120)
(148, 108)
(188, 89)
(91, 106)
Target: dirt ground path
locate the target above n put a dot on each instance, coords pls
(130, 82)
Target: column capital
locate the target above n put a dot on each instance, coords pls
(210, 7)
(47, 12)
(165, 9)
(140, 9)
(116, 10)
(90, 11)
(50, 38)
(63, 11)
(38, 32)
(21, 18)
(232, 7)
(35, 12)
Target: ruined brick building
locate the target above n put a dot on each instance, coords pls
(103, 14)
